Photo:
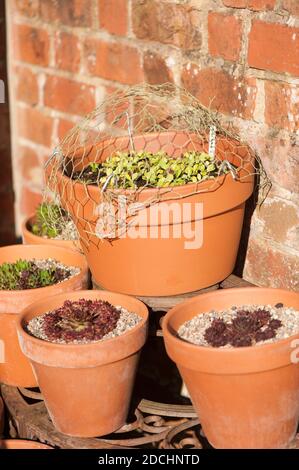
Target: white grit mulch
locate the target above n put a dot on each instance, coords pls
(194, 329)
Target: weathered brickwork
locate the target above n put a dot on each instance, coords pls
(240, 56)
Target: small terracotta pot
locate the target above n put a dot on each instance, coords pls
(31, 239)
(1, 416)
(22, 444)
(246, 397)
(136, 265)
(86, 388)
(16, 369)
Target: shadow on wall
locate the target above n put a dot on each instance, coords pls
(250, 207)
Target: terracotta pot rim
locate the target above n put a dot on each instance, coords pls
(50, 345)
(25, 247)
(29, 442)
(219, 180)
(210, 349)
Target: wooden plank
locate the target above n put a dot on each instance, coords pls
(233, 281)
(163, 304)
(166, 303)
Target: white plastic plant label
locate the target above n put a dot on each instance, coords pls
(212, 141)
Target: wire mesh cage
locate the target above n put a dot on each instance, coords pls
(141, 146)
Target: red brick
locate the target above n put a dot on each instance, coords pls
(26, 85)
(115, 115)
(28, 161)
(29, 8)
(274, 47)
(267, 266)
(67, 12)
(67, 52)
(155, 69)
(64, 126)
(235, 3)
(257, 5)
(280, 219)
(31, 44)
(292, 6)
(282, 105)
(167, 23)
(114, 16)
(34, 125)
(225, 32)
(280, 159)
(260, 5)
(29, 201)
(113, 61)
(69, 96)
(221, 91)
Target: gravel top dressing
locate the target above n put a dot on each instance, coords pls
(247, 325)
(82, 322)
(68, 232)
(51, 263)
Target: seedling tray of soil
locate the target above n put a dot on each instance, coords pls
(145, 169)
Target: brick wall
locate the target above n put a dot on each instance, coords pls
(65, 55)
(6, 192)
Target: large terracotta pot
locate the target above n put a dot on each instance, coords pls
(32, 239)
(22, 444)
(86, 388)
(138, 265)
(1, 416)
(16, 369)
(246, 397)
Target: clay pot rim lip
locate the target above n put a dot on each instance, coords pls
(19, 292)
(214, 350)
(50, 344)
(25, 441)
(25, 229)
(219, 180)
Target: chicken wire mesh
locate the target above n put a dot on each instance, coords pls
(146, 121)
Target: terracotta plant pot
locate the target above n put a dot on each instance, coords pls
(16, 369)
(246, 397)
(1, 416)
(86, 388)
(22, 444)
(137, 265)
(31, 239)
